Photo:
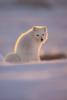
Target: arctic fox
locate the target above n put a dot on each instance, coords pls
(28, 45)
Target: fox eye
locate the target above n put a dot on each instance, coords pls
(37, 35)
(42, 34)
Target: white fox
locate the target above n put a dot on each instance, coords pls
(28, 45)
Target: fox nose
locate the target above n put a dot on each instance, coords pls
(41, 39)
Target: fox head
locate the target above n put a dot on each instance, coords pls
(40, 33)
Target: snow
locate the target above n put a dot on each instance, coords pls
(34, 81)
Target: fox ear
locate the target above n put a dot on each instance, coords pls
(45, 28)
(35, 28)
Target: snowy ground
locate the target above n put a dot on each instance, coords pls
(41, 81)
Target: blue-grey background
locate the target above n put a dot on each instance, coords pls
(16, 16)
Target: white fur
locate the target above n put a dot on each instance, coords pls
(28, 44)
